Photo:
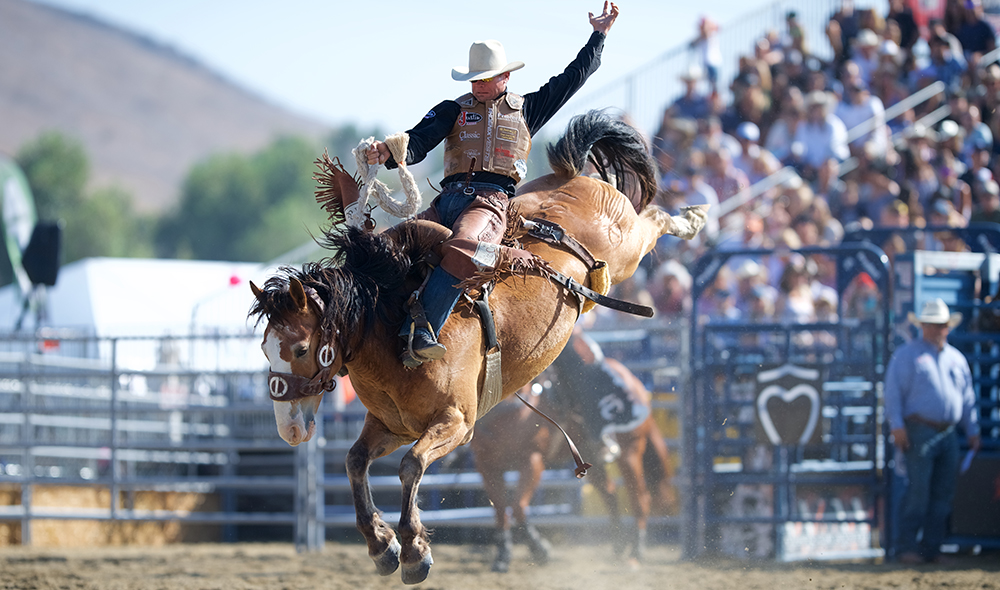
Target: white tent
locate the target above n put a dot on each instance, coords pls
(144, 297)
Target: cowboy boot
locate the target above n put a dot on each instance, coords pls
(439, 297)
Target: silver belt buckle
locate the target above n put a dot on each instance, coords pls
(469, 191)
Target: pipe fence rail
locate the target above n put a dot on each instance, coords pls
(130, 416)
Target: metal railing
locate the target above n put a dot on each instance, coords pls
(645, 92)
(179, 414)
(789, 174)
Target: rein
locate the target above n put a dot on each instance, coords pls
(288, 387)
(493, 387)
(581, 465)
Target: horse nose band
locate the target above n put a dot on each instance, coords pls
(287, 387)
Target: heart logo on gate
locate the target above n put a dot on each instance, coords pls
(788, 396)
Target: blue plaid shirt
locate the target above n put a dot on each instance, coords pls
(934, 385)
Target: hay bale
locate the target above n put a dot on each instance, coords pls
(97, 533)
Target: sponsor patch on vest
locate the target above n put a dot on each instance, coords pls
(468, 135)
(471, 154)
(430, 114)
(522, 168)
(506, 133)
(467, 118)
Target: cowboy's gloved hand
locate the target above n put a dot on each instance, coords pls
(378, 153)
(603, 23)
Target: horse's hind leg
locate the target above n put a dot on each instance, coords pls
(630, 463)
(496, 491)
(443, 436)
(375, 441)
(531, 476)
(684, 226)
(606, 488)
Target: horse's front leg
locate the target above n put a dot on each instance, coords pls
(375, 441)
(443, 435)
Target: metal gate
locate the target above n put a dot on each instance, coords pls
(784, 436)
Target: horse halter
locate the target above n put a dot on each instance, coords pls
(288, 387)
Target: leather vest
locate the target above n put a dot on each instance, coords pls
(493, 133)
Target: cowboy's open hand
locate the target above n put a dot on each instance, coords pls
(603, 23)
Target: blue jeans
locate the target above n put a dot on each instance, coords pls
(932, 471)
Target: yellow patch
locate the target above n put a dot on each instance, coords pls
(600, 281)
(507, 133)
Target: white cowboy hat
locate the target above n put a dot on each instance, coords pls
(693, 72)
(935, 311)
(486, 59)
(866, 38)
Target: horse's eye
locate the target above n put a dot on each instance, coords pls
(301, 352)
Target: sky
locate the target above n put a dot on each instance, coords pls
(386, 63)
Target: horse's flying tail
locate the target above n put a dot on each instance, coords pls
(614, 146)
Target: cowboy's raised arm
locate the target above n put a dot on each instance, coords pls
(542, 104)
(602, 23)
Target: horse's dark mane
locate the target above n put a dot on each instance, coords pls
(615, 145)
(361, 283)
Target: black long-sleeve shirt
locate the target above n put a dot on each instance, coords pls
(539, 106)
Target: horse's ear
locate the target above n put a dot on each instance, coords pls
(256, 290)
(298, 293)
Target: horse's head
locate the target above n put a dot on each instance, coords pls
(304, 356)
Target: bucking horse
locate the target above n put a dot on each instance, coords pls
(345, 311)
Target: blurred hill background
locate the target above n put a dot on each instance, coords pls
(141, 151)
(144, 113)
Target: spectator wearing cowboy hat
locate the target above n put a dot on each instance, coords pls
(866, 53)
(477, 185)
(821, 137)
(692, 104)
(928, 393)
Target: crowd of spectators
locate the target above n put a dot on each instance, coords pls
(822, 122)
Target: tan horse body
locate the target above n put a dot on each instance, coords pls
(435, 406)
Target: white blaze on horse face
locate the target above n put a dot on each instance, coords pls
(289, 417)
(272, 350)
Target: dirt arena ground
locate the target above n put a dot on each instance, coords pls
(457, 567)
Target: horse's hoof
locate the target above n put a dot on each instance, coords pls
(501, 567)
(388, 561)
(541, 549)
(639, 550)
(416, 573)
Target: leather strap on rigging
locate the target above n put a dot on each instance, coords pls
(617, 304)
(492, 392)
(553, 233)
